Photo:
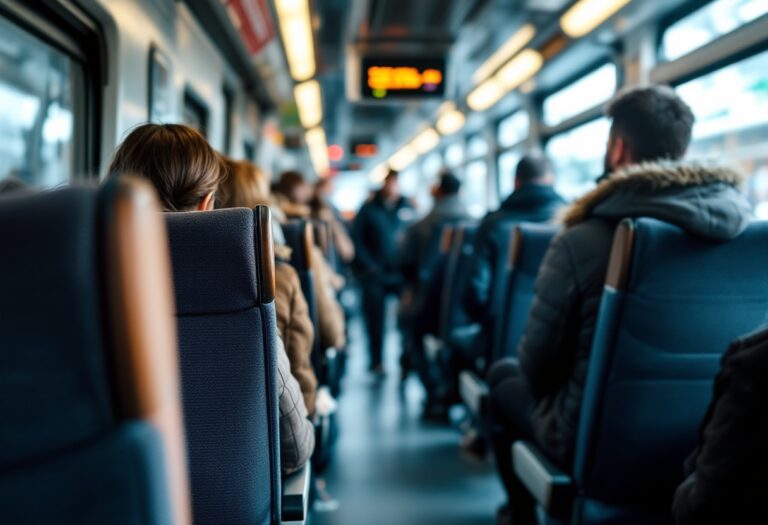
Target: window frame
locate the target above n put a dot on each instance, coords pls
(584, 116)
(71, 31)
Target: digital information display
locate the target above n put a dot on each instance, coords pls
(384, 78)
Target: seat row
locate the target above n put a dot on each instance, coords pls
(139, 367)
(671, 305)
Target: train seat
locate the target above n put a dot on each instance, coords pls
(299, 236)
(670, 307)
(512, 296)
(91, 417)
(223, 269)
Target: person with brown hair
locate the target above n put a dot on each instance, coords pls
(186, 172)
(292, 193)
(246, 186)
(184, 169)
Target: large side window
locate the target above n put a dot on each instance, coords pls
(577, 157)
(731, 108)
(474, 188)
(507, 164)
(586, 93)
(42, 103)
(195, 112)
(708, 23)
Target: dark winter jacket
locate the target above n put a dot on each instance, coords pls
(422, 264)
(554, 351)
(728, 472)
(419, 237)
(377, 232)
(530, 203)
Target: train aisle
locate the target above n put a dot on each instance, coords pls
(391, 468)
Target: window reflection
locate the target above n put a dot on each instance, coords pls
(708, 23)
(577, 157)
(454, 155)
(586, 93)
(474, 188)
(507, 166)
(513, 129)
(731, 108)
(477, 146)
(36, 104)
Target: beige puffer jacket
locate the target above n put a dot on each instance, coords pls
(297, 434)
(295, 327)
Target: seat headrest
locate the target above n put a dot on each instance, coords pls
(299, 235)
(530, 244)
(739, 264)
(215, 259)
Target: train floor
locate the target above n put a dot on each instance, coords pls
(390, 466)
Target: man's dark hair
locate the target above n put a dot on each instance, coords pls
(391, 174)
(655, 123)
(533, 167)
(449, 184)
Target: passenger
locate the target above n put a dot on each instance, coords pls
(291, 194)
(246, 186)
(186, 173)
(420, 304)
(534, 200)
(649, 135)
(376, 232)
(726, 475)
(322, 209)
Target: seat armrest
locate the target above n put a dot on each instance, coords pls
(295, 497)
(474, 392)
(550, 486)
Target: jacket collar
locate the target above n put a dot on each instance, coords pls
(649, 176)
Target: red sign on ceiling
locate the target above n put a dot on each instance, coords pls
(253, 21)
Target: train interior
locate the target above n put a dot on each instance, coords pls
(142, 369)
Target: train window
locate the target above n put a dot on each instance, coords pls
(577, 157)
(40, 97)
(507, 163)
(513, 129)
(454, 155)
(477, 146)
(731, 108)
(708, 23)
(586, 93)
(431, 165)
(474, 188)
(195, 112)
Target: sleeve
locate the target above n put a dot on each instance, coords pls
(551, 333)
(297, 434)
(329, 311)
(364, 258)
(296, 329)
(477, 290)
(407, 256)
(732, 441)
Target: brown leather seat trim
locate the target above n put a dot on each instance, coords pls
(143, 326)
(445, 240)
(621, 255)
(266, 254)
(515, 243)
(309, 244)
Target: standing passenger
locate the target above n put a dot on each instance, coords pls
(650, 133)
(376, 233)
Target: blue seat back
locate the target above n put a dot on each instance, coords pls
(528, 246)
(223, 269)
(457, 267)
(70, 449)
(299, 236)
(671, 305)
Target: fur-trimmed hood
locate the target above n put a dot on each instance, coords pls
(703, 200)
